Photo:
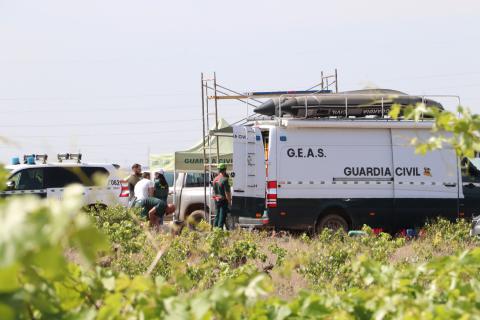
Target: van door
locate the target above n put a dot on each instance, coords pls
(425, 186)
(27, 181)
(248, 172)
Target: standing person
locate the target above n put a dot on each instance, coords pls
(222, 196)
(161, 186)
(132, 180)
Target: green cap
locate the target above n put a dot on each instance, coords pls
(222, 166)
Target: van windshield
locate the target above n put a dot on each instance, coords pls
(475, 162)
(471, 169)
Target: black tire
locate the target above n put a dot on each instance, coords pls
(332, 221)
(194, 218)
(96, 207)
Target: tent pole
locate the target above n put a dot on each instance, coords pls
(217, 138)
(216, 115)
(176, 216)
(204, 154)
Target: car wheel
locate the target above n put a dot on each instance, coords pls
(333, 222)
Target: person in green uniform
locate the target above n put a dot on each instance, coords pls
(221, 195)
(161, 186)
(154, 210)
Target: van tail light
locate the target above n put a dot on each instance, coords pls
(124, 191)
(272, 185)
(271, 194)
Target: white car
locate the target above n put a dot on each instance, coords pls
(48, 180)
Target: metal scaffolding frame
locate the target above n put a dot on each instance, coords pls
(212, 90)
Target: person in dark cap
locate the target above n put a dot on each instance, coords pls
(221, 195)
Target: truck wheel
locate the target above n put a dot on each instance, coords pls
(194, 218)
(96, 207)
(231, 222)
(333, 222)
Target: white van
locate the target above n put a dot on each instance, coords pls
(311, 174)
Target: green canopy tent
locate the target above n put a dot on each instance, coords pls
(193, 159)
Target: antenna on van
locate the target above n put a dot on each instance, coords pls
(76, 156)
(69, 156)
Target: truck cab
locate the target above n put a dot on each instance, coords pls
(187, 193)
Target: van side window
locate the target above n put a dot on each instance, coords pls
(28, 179)
(61, 177)
(92, 174)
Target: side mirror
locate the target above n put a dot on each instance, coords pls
(10, 185)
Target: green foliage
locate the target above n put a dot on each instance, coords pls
(458, 130)
(280, 252)
(36, 279)
(122, 227)
(3, 177)
(329, 263)
(52, 265)
(442, 237)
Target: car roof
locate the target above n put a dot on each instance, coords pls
(59, 164)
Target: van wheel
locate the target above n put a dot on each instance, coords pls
(333, 222)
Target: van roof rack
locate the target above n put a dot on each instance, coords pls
(69, 156)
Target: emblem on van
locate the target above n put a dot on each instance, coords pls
(427, 172)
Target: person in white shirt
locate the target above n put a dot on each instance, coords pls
(144, 188)
(153, 209)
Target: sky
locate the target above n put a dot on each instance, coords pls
(118, 80)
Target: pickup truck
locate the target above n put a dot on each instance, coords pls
(188, 193)
(188, 196)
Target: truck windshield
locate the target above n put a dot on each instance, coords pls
(169, 177)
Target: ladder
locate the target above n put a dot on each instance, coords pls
(251, 169)
(211, 153)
